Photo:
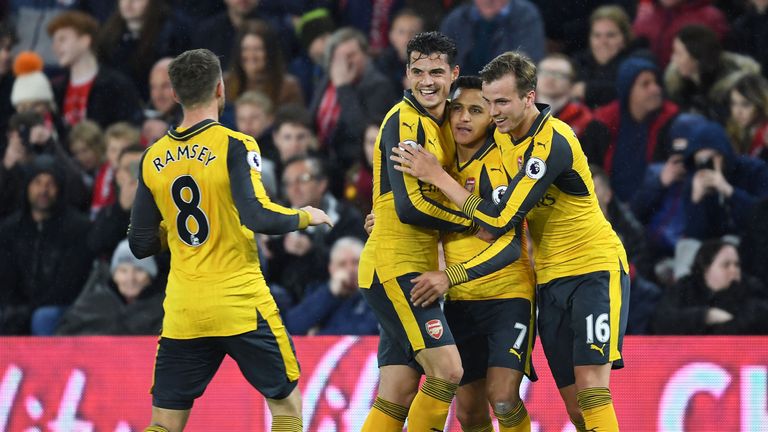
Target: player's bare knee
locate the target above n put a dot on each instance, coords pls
(503, 406)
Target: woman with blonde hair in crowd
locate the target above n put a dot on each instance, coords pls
(258, 64)
(748, 123)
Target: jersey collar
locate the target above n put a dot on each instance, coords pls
(192, 131)
(544, 114)
(411, 99)
(480, 153)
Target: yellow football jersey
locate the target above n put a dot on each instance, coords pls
(555, 193)
(204, 183)
(485, 175)
(409, 213)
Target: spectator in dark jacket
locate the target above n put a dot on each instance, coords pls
(43, 258)
(610, 41)
(29, 136)
(305, 182)
(335, 307)
(88, 89)
(638, 122)
(754, 243)
(482, 30)
(352, 92)
(124, 301)
(715, 298)
(313, 28)
(7, 40)
(723, 187)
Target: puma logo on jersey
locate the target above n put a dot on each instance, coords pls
(496, 169)
(541, 144)
(519, 356)
(598, 348)
(410, 127)
(193, 152)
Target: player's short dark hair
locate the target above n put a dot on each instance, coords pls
(512, 63)
(194, 75)
(467, 82)
(428, 43)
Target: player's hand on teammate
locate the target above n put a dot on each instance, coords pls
(317, 216)
(369, 220)
(417, 161)
(429, 287)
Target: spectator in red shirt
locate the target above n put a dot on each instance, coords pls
(88, 89)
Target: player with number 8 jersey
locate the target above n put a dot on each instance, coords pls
(200, 192)
(215, 281)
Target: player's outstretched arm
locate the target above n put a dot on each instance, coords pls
(257, 212)
(144, 229)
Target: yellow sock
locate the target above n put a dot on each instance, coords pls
(155, 428)
(515, 420)
(286, 424)
(580, 425)
(488, 427)
(430, 406)
(597, 407)
(385, 416)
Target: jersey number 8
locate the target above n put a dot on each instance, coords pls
(186, 196)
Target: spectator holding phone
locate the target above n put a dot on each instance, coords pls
(723, 186)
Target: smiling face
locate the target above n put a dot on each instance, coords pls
(469, 117)
(431, 77)
(605, 40)
(507, 107)
(253, 54)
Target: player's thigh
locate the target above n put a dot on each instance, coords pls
(183, 369)
(398, 384)
(266, 356)
(422, 327)
(472, 345)
(472, 404)
(598, 318)
(511, 331)
(555, 333)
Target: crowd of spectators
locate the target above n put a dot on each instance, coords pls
(669, 99)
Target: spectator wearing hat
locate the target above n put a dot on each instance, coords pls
(43, 258)
(637, 123)
(127, 300)
(29, 136)
(32, 91)
(7, 40)
(88, 89)
(313, 29)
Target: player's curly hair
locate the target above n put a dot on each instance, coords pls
(428, 43)
(512, 63)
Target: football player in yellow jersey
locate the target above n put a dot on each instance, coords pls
(202, 182)
(581, 266)
(404, 244)
(491, 314)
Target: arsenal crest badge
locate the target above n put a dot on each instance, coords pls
(434, 328)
